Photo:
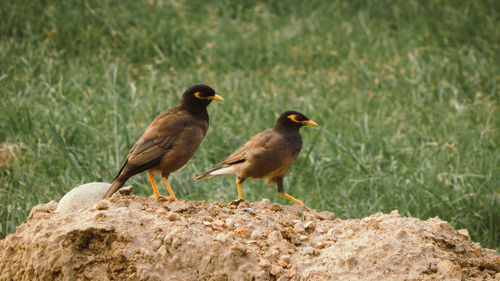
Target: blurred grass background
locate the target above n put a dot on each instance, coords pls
(406, 93)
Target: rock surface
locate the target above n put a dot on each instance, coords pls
(134, 238)
(85, 195)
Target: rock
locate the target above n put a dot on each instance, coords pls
(325, 215)
(464, 233)
(243, 231)
(308, 251)
(218, 223)
(137, 238)
(256, 235)
(82, 196)
(127, 190)
(171, 216)
(299, 227)
(284, 261)
(449, 269)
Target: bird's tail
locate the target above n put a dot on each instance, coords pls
(219, 171)
(117, 184)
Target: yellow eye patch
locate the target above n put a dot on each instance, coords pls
(214, 97)
(198, 95)
(293, 117)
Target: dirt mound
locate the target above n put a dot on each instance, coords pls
(135, 238)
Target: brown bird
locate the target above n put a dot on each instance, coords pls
(268, 154)
(169, 141)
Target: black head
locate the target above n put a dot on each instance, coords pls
(293, 119)
(199, 96)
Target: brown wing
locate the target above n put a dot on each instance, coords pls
(256, 142)
(160, 136)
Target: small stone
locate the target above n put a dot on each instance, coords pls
(162, 250)
(276, 208)
(308, 225)
(319, 230)
(401, 234)
(284, 261)
(208, 218)
(287, 220)
(171, 216)
(264, 263)
(230, 222)
(249, 210)
(161, 211)
(395, 214)
(449, 269)
(320, 245)
(179, 206)
(256, 235)
(265, 201)
(244, 231)
(443, 227)
(157, 244)
(303, 237)
(464, 233)
(350, 261)
(218, 223)
(237, 202)
(221, 237)
(497, 276)
(239, 249)
(207, 223)
(127, 190)
(299, 228)
(276, 271)
(308, 251)
(326, 215)
(102, 205)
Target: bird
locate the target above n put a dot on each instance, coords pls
(268, 154)
(169, 141)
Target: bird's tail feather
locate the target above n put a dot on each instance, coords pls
(117, 184)
(219, 171)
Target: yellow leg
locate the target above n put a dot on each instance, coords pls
(294, 200)
(170, 191)
(153, 183)
(238, 185)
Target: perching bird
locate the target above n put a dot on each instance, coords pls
(268, 154)
(169, 141)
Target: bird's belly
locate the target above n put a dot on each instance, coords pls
(267, 168)
(178, 156)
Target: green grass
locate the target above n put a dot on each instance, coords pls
(406, 93)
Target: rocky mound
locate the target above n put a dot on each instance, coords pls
(135, 238)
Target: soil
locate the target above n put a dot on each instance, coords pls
(134, 238)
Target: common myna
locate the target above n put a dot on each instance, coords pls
(169, 141)
(268, 154)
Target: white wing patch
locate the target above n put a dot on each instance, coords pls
(223, 171)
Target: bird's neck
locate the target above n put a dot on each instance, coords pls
(197, 111)
(286, 128)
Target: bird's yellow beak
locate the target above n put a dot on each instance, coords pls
(311, 123)
(215, 97)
